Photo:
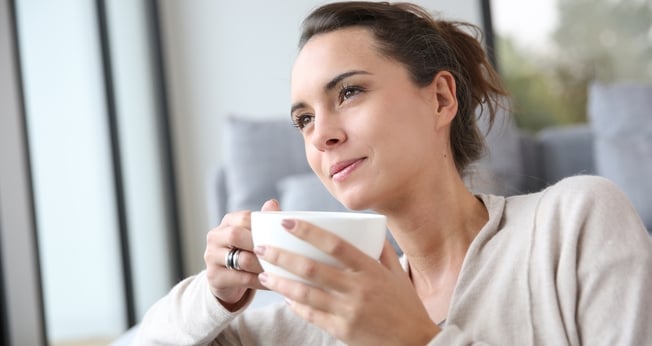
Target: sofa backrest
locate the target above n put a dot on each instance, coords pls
(265, 159)
(556, 153)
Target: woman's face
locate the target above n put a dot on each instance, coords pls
(370, 133)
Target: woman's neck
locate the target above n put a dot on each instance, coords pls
(434, 230)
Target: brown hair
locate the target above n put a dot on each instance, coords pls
(425, 46)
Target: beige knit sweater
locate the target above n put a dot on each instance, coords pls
(570, 265)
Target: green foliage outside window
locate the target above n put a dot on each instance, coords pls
(595, 40)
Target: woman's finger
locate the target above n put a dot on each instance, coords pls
(349, 255)
(229, 279)
(334, 324)
(229, 237)
(298, 291)
(314, 316)
(238, 218)
(247, 261)
(271, 205)
(319, 274)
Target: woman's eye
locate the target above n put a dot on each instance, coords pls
(303, 120)
(348, 91)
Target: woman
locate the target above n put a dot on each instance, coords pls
(384, 96)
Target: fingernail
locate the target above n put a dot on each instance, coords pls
(289, 301)
(259, 250)
(270, 203)
(262, 277)
(288, 224)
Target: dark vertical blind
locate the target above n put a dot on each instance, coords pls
(42, 332)
(4, 323)
(488, 28)
(167, 142)
(121, 207)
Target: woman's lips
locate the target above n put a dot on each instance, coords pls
(342, 169)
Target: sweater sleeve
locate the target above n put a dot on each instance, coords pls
(604, 270)
(188, 315)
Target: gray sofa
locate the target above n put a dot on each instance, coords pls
(265, 159)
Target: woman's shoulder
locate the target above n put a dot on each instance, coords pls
(586, 194)
(573, 188)
(579, 190)
(575, 205)
(592, 204)
(589, 184)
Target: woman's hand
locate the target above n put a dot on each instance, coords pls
(228, 285)
(363, 303)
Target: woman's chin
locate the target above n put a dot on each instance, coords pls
(354, 204)
(354, 198)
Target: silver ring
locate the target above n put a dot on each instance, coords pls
(236, 256)
(231, 259)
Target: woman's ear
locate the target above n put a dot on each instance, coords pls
(446, 96)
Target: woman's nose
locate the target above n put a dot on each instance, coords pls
(327, 132)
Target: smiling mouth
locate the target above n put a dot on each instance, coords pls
(343, 168)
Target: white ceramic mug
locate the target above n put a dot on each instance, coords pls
(364, 230)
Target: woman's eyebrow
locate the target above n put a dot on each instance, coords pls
(296, 106)
(333, 82)
(330, 85)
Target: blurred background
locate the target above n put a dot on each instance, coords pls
(110, 121)
(550, 51)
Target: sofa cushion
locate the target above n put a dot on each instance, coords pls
(621, 119)
(257, 154)
(529, 143)
(500, 170)
(565, 151)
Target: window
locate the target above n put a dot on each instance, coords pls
(550, 51)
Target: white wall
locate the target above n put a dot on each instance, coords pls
(233, 57)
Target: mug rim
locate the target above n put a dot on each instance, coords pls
(320, 213)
